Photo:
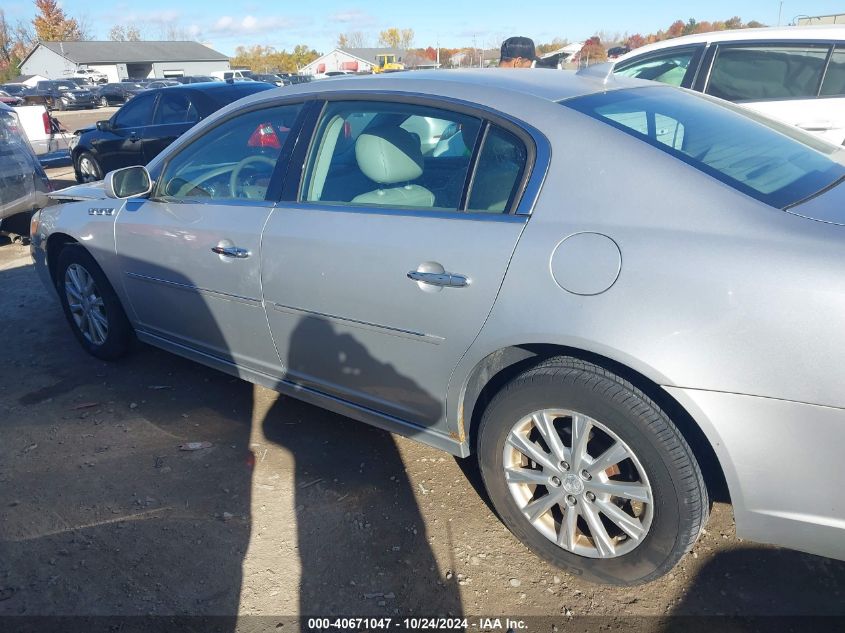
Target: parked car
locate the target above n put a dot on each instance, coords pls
(162, 83)
(610, 365)
(299, 79)
(794, 74)
(60, 94)
(10, 100)
(234, 74)
(89, 75)
(195, 79)
(14, 89)
(117, 93)
(23, 183)
(269, 78)
(44, 133)
(147, 124)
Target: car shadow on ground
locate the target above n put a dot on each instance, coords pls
(103, 514)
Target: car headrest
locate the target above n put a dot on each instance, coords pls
(389, 155)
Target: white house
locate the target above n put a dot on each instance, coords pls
(350, 60)
(121, 60)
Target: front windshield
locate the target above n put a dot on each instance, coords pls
(766, 160)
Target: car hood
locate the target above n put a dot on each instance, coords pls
(82, 130)
(86, 191)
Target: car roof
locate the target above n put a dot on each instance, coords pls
(802, 33)
(477, 85)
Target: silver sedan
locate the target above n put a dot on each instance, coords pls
(621, 298)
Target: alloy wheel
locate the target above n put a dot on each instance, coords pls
(86, 304)
(578, 483)
(88, 169)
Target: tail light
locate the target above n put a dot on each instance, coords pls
(45, 119)
(264, 136)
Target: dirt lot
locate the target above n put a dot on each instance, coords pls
(290, 510)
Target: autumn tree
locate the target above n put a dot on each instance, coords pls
(342, 41)
(635, 41)
(51, 24)
(406, 39)
(593, 52)
(390, 38)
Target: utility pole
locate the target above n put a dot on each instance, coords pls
(438, 55)
(780, 12)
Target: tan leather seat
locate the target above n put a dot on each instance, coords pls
(392, 156)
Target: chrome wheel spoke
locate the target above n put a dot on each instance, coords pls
(72, 292)
(526, 476)
(601, 539)
(624, 521)
(539, 507)
(568, 529)
(621, 489)
(580, 436)
(610, 457)
(99, 327)
(531, 450)
(544, 423)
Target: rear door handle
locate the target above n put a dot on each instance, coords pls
(231, 251)
(446, 280)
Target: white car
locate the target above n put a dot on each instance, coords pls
(794, 74)
(91, 75)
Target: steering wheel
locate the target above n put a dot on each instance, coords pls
(236, 172)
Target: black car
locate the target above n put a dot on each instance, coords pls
(270, 78)
(151, 121)
(61, 94)
(15, 89)
(299, 79)
(119, 93)
(195, 79)
(163, 83)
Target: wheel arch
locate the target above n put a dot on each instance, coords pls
(55, 244)
(500, 367)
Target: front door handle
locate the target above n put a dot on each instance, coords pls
(133, 137)
(231, 251)
(446, 280)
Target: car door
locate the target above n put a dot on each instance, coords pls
(174, 115)
(190, 254)
(376, 276)
(120, 145)
(782, 81)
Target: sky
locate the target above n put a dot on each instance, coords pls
(225, 24)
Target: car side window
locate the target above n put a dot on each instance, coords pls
(236, 159)
(390, 155)
(669, 67)
(498, 173)
(834, 79)
(758, 73)
(175, 107)
(136, 113)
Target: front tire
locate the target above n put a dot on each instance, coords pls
(589, 473)
(104, 102)
(91, 306)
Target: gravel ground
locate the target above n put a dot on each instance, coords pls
(288, 509)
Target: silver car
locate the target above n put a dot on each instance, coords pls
(619, 296)
(23, 183)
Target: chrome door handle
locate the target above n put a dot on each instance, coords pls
(231, 251)
(446, 280)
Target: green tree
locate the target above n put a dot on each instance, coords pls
(51, 24)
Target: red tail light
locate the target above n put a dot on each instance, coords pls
(264, 136)
(45, 118)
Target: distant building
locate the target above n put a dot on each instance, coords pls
(29, 80)
(356, 60)
(121, 60)
(805, 20)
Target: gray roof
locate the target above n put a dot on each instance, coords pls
(369, 54)
(133, 52)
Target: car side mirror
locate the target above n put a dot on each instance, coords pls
(104, 126)
(129, 182)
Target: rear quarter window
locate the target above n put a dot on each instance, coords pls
(763, 159)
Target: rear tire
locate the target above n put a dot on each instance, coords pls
(91, 306)
(623, 507)
(104, 102)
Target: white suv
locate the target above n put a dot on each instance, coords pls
(93, 76)
(794, 74)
